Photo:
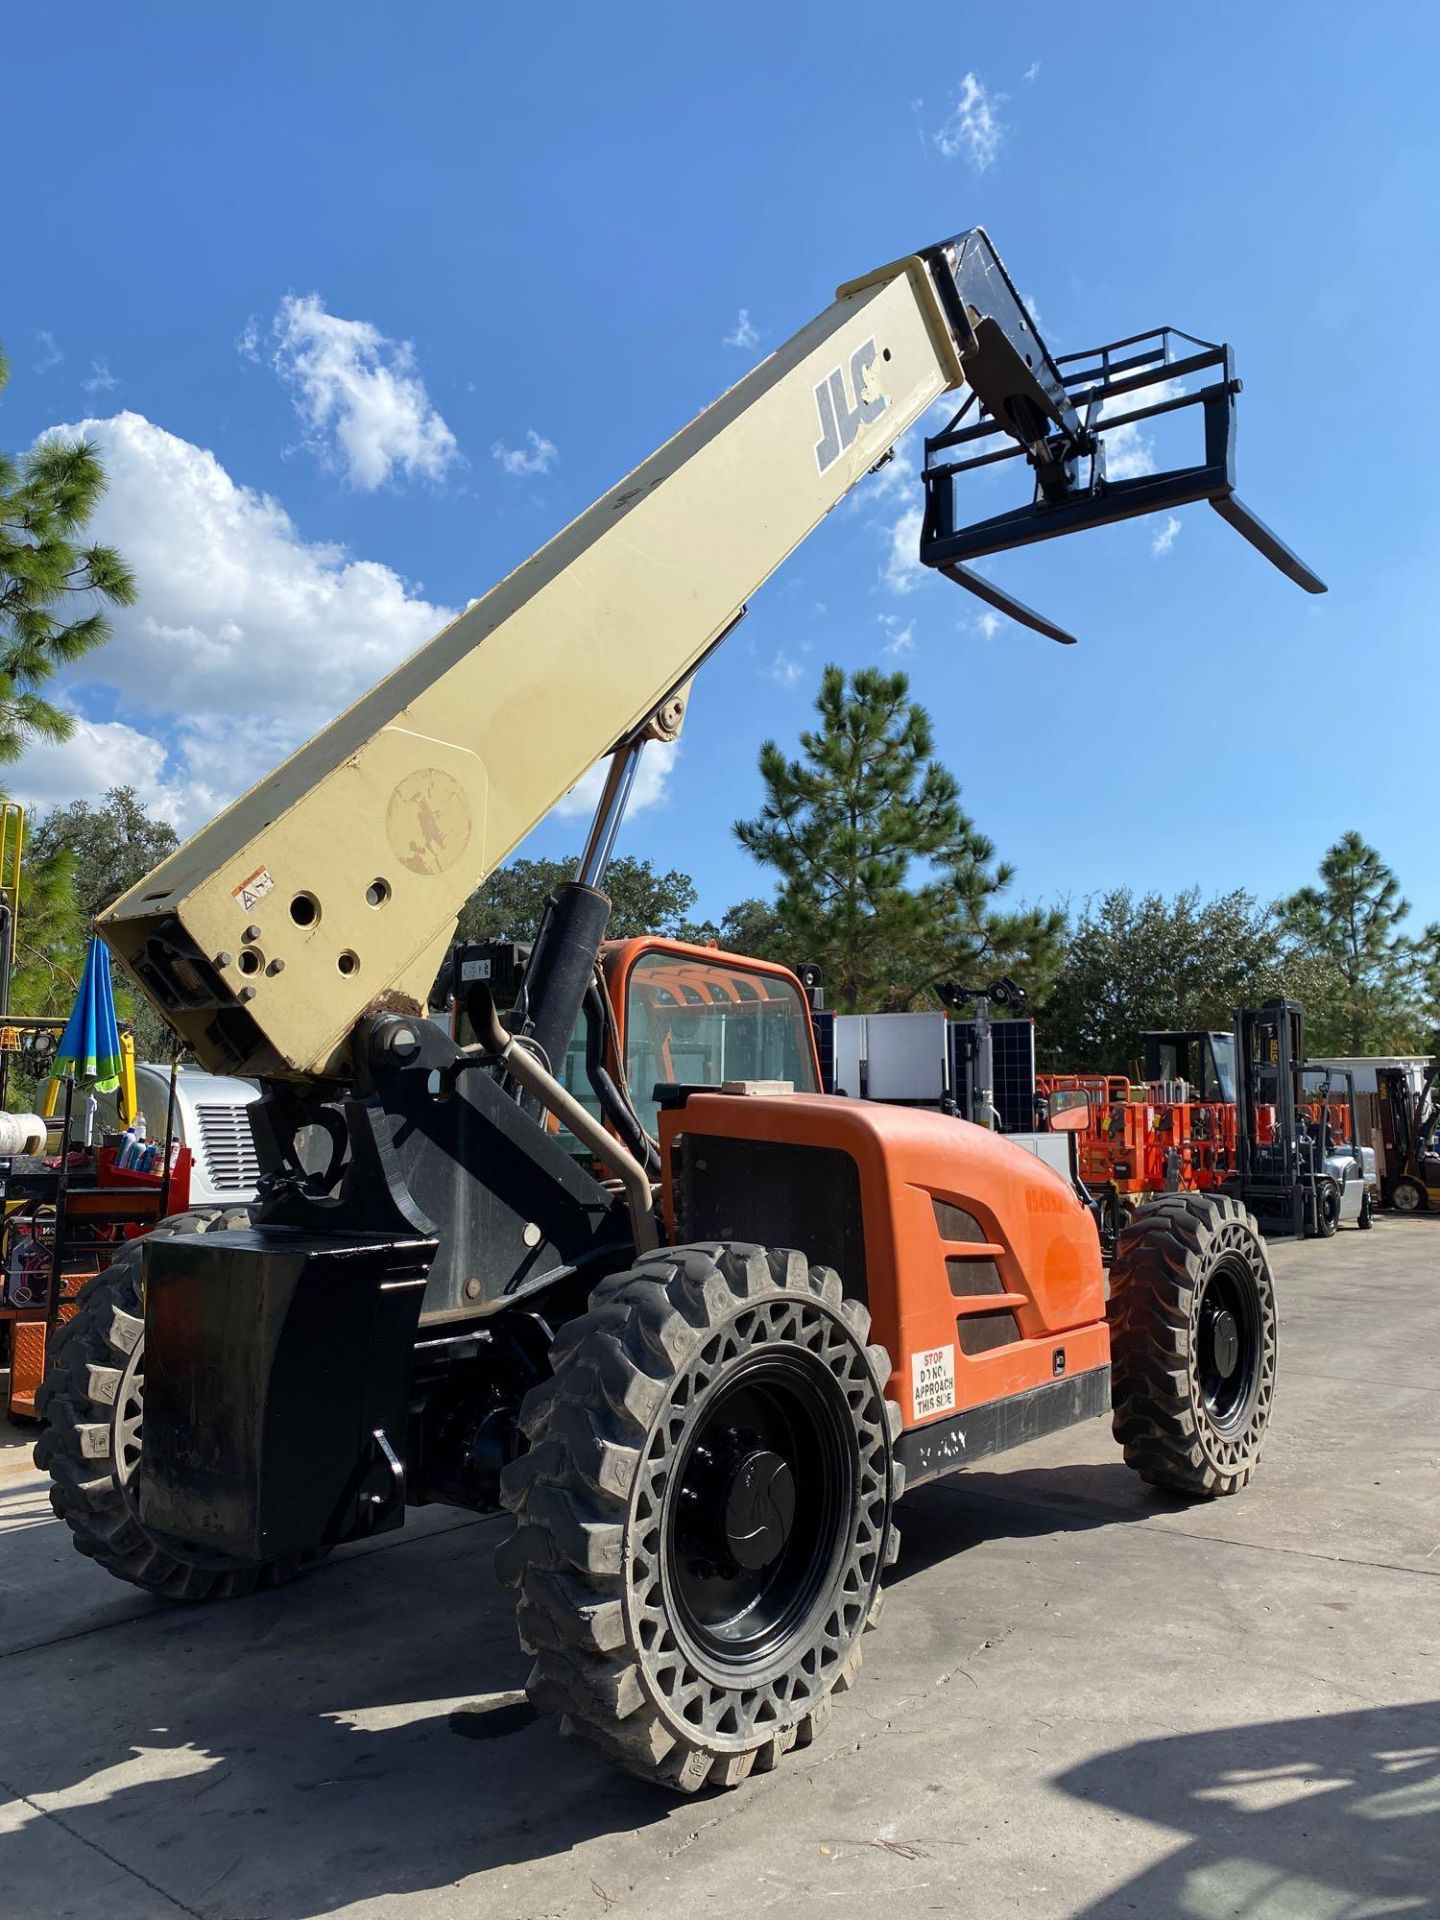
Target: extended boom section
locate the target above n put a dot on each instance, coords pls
(338, 878)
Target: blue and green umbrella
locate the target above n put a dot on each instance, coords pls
(90, 1045)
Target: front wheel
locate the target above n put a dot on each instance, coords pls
(1407, 1195)
(704, 1513)
(1193, 1344)
(1327, 1208)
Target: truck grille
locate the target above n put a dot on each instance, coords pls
(228, 1147)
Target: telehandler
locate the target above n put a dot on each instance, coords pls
(692, 1322)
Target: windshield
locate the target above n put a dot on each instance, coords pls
(702, 1022)
(1205, 1061)
(1224, 1050)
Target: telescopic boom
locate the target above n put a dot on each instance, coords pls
(332, 888)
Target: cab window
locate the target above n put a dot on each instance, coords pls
(701, 1022)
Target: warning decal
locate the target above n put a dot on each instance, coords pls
(252, 889)
(932, 1381)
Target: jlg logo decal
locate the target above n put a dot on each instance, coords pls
(840, 415)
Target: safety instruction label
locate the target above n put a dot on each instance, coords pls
(252, 889)
(932, 1381)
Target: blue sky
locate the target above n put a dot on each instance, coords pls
(369, 302)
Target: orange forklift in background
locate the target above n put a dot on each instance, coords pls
(1196, 1124)
(1174, 1131)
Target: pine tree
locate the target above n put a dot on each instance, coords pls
(51, 937)
(847, 824)
(52, 588)
(1353, 919)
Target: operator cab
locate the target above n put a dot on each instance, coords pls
(670, 1013)
(1204, 1061)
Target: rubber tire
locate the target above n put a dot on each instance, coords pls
(1414, 1192)
(1327, 1208)
(1365, 1219)
(88, 1356)
(588, 1495)
(1162, 1261)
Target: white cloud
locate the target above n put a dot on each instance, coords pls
(247, 341)
(101, 379)
(651, 788)
(784, 671)
(363, 405)
(902, 637)
(1129, 451)
(902, 571)
(974, 129)
(899, 475)
(538, 455)
(97, 756)
(1164, 538)
(988, 624)
(1033, 70)
(50, 354)
(745, 334)
(246, 637)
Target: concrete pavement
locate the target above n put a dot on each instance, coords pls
(1084, 1700)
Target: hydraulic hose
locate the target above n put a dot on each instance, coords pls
(496, 1042)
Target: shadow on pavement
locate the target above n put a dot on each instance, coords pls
(360, 1734)
(947, 1517)
(364, 1734)
(1335, 1817)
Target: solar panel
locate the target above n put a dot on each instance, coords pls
(1012, 1054)
(824, 1022)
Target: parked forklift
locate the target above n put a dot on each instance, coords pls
(1410, 1137)
(1292, 1172)
(694, 1324)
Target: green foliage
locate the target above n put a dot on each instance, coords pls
(1352, 920)
(109, 848)
(754, 928)
(846, 826)
(1134, 963)
(52, 588)
(113, 845)
(52, 936)
(509, 904)
(1427, 973)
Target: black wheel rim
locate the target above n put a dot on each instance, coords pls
(1228, 1339)
(760, 1509)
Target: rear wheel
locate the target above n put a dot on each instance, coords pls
(92, 1402)
(1407, 1195)
(1365, 1219)
(1193, 1344)
(704, 1514)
